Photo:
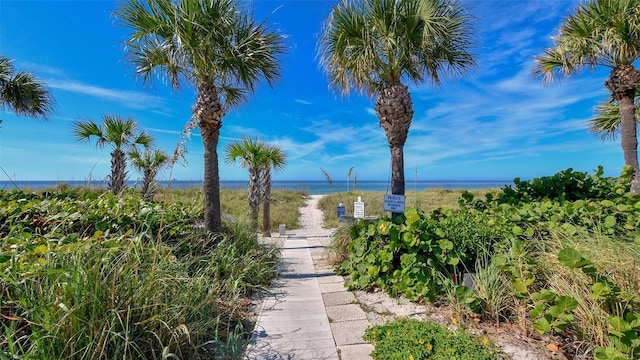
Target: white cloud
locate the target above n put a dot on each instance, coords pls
(132, 99)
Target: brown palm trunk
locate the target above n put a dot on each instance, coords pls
(254, 198)
(395, 112)
(397, 170)
(209, 112)
(266, 202)
(147, 184)
(629, 138)
(622, 83)
(118, 171)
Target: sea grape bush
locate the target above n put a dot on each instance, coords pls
(567, 185)
(420, 254)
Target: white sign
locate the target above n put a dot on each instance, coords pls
(393, 203)
(358, 209)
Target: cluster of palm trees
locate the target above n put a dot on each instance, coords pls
(375, 47)
(124, 138)
(259, 158)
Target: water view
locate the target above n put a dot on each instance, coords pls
(316, 187)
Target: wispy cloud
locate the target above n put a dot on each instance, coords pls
(132, 99)
(303, 102)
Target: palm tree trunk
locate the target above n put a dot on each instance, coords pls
(623, 82)
(209, 112)
(254, 198)
(395, 111)
(118, 171)
(397, 170)
(147, 184)
(629, 138)
(266, 202)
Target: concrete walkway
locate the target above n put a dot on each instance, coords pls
(309, 315)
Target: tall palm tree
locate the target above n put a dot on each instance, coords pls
(274, 158)
(22, 92)
(121, 135)
(603, 33)
(376, 46)
(212, 45)
(252, 155)
(148, 162)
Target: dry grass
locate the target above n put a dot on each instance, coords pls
(426, 200)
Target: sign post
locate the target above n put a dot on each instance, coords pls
(358, 209)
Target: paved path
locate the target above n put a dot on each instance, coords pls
(309, 315)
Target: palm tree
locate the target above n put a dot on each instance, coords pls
(148, 162)
(252, 155)
(603, 33)
(212, 45)
(274, 158)
(22, 92)
(376, 46)
(121, 135)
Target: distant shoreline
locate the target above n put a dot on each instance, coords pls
(312, 187)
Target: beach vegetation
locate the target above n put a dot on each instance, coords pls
(376, 47)
(86, 275)
(216, 48)
(426, 200)
(602, 33)
(556, 256)
(414, 339)
(120, 135)
(23, 93)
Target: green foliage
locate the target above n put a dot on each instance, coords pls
(552, 312)
(419, 255)
(624, 328)
(100, 277)
(413, 339)
(520, 268)
(566, 185)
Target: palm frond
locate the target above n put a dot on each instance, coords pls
(23, 93)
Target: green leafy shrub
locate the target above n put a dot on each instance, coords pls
(421, 255)
(567, 185)
(412, 339)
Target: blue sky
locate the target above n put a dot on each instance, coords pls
(497, 123)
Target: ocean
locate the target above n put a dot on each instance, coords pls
(314, 187)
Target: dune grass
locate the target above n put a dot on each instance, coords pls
(87, 275)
